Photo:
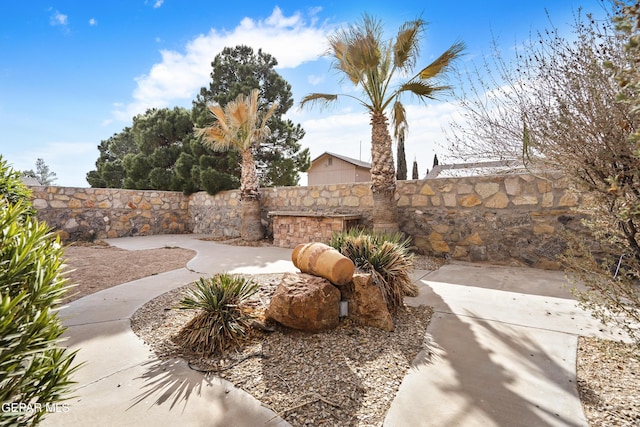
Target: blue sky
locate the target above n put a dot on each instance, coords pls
(73, 73)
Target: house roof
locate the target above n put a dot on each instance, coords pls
(344, 158)
(29, 180)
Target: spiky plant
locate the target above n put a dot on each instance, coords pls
(385, 256)
(223, 317)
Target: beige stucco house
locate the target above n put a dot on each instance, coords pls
(330, 168)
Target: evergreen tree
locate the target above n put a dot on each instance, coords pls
(435, 160)
(237, 71)
(401, 172)
(109, 171)
(414, 174)
(43, 174)
(159, 151)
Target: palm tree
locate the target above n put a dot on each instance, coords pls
(372, 64)
(241, 126)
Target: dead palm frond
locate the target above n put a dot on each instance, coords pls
(239, 125)
(442, 62)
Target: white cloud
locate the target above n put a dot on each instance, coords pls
(315, 80)
(93, 22)
(179, 76)
(59, 19)
(157, 4)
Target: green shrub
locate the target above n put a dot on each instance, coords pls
(223, 317)
(385, 256)
(34, 371)
(12, 190)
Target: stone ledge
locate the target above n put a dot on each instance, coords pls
(346, 217)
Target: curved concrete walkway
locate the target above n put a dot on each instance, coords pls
(500, 350)
(122, 383)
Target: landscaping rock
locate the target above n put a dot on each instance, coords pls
(366, 304)
(305, 302)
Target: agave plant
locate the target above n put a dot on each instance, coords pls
(385, 256)
(223, 317)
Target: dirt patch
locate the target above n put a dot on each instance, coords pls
(98, 266)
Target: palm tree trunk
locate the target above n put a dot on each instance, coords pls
(249, 187)
(251, 229)
(383, 180)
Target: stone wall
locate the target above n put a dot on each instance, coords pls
(217, 215)
(502, 219)
(98, 213)
(513, 219)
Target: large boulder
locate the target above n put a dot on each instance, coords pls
(305, 302)
(367, 306)
(323, 261)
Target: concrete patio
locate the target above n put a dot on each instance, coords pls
(500, 350)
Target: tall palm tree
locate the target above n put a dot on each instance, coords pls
(372, 64)
(241, 126)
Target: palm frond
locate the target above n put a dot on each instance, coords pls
(442, 62)
(218, 114)
(342, 61)
(407, 45)
(357, 49)
(322, 99)
(422, 89)
(399, 120)
(236, 125)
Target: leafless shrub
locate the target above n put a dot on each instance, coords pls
(561, 104)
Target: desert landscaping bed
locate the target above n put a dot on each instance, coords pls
(347, 376)
(341, 377)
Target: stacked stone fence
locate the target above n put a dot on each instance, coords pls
(515, 218)
(98, 213)
(507, 219)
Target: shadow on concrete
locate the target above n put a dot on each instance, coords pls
(473, 377)
(201, 399)
(169, 381)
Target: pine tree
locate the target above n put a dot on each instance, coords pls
(401, 173)
(42, 173)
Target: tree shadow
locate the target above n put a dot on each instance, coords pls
(473, 370)
(198, 396)
(169, 381)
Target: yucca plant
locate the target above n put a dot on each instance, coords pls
(223, 316)
(385, 256)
